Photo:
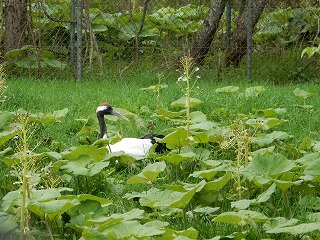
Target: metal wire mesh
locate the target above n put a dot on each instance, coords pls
(136, 32)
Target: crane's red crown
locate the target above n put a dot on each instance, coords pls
(105, 104)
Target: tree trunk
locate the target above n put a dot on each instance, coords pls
(201, 47)
(237, 49)
(15, 19)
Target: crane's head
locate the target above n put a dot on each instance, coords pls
(106, 109)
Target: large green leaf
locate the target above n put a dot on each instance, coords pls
(263, 197)
(53, 208)
(7, 223)
(299, 229)
(13, 198)
(313, 168)
(265, 123)
(170, 198)
(154, 88)
(265, 139)
(228, 89)
(182, 102)
(18, 52)
(279, 222)
(6, 135)
(241, 218)
(126, 229)
(5, 119)
(85, 166)
(254, 91)
(106, 221)
(48, 118)
(302, 93)
(176, 139)
(149, 174)
(96, 153)
(270, 112)
(268, 164)
(54, 63)
(310, 202)
(217, 184)
(166, 114)
(177, 158)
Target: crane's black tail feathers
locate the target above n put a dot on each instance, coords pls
(161, 147)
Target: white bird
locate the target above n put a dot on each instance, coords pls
(133, 146)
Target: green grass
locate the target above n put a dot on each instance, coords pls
(82, 99)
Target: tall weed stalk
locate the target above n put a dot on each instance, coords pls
(188, 71)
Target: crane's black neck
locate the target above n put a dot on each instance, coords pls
(102, 124)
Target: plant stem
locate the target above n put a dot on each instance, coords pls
(24, 191)
(184, 219)
(187, 67)
(238, 170)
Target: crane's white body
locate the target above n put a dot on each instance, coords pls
(132, 146)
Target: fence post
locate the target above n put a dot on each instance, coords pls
(72, 31)
(79, 39)
(228, 23)
(249, 38)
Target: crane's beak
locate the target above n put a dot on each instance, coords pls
(115, 113)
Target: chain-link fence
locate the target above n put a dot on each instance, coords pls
(76, 36)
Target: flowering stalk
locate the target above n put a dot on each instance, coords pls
(188, 71)
(24, 188)
(3, 86)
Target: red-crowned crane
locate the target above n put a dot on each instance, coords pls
(133, 146)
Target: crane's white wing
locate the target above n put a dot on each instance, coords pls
(133, 146)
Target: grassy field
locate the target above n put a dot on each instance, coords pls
(224, 109)
(82, 99)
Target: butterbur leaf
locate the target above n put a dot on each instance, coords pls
(242, 204)
(297, 229)
(266, 139)
(5, 119)
(284, 185)
(54, 63)
(265, 196)
(84, 165)
(227, 89)
(7, 223)
(169, 198)
(313, 168)
(125, 229)
(182, 102)
(149, 174)
(189, 233)
(166, 114)
(308, 158)
(265, 123)
(6, 135)
(205, 174)
(49, 118)
(52, 209)
(176, 158)
(279, 222)
(154, 88)
(241, 218)
(175, 139)
(89, 126)
(302, 93)
(254, 91)
(268, 164)
(310, 202)
(270, 112)
(115, 218)
(88, 150)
